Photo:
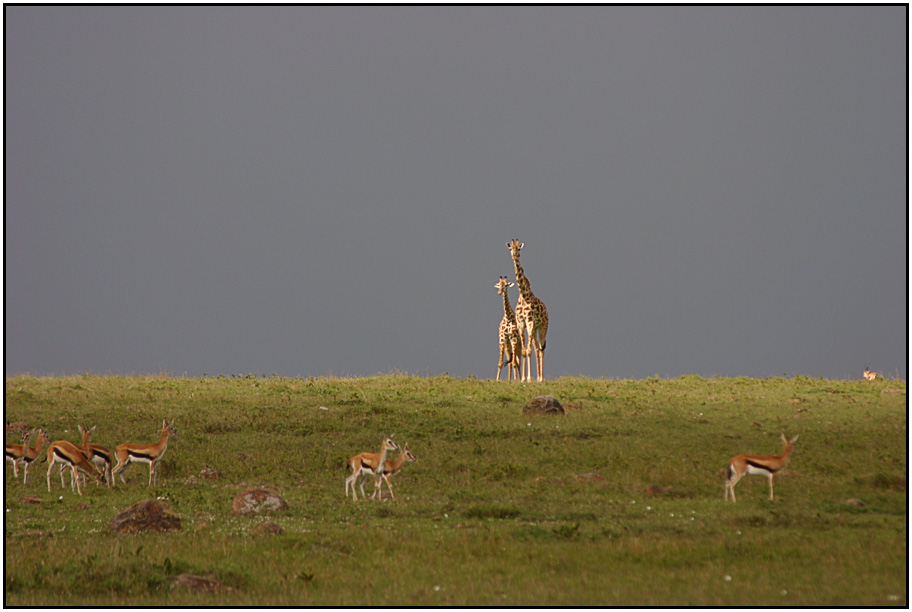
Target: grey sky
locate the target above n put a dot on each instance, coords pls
(329, 190)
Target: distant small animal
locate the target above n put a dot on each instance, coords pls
(15, 452)
(31, 454)
(143, 453)
(391, 468)
(370, 464)
(743, 465)
(868, 374)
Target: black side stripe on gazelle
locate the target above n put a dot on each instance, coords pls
(59, 453)
(140, 455)
(758, 465)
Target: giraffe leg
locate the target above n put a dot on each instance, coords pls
(500, 361)
(540, 332)
(527, 357)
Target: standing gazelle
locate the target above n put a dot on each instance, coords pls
(391, 468)
(368, 463)
(15, 452)
(868, 374)
(101, 456)
(32, 453)
(143, 453)
(742, 465)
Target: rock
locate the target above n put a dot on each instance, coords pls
(855, 502)
(543, 404)
(267, 528)
(210, 473)
(147, 515)
(657, 490)
(254, 501)
(199, 583)
(31, 499)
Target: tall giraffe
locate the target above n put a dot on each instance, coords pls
(510, 343)
(532, 317)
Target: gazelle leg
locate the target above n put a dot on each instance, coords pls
(388, 486)
(76, 478)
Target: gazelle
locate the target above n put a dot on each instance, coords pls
(96, 453)
(68, 454)
(32, 453)
(868, 374)
(742, 465)
(143, 453)
(391, 468)
(368, 463)
(15, 452)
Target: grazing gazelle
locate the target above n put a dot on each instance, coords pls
(391, 468)
(143, 453)
(368, 463)
(68, 454)
(15, 452)
(32, 453)
(742, 465)
(868, 374)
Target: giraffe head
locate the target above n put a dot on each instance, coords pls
(502, 285)
(515, 246)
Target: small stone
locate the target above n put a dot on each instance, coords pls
(147, 515)
(267, 528)
(210, 473)
(199, 583)
(256, 500)
(543, 404)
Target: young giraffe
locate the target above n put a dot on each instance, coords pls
(510, 344)
(532, 317)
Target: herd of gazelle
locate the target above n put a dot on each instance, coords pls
(87, 458)
(96, 460)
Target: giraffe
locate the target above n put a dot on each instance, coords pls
(510, 343)
(532, 317)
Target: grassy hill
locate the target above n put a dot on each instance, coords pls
(617, 502)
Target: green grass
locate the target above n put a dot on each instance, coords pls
(500, 509)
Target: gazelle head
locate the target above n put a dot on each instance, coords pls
(515, 246)
(789, 444)
(502, 285)
(43, 437)
(167, 427)
(86, 434)
(390, 444)
(408, 454)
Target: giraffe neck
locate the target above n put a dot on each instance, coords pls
(525, 290)
(508, 310)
